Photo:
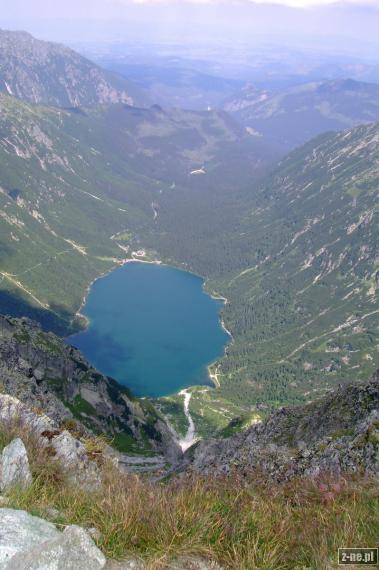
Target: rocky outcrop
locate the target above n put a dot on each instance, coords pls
(334, 435)
(55, 381)
(74, 460)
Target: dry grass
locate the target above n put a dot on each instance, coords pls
(243, 525)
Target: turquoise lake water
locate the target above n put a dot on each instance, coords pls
(152, 328)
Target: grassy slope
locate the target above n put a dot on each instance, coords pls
(241, 524)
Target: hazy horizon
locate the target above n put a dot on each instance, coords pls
(349, 26)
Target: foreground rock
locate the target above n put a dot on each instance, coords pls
(335, 435)
(31, 543)
(20, 532)
(14, 466)
(71, 549)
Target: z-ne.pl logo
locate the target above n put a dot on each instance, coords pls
(358, 556)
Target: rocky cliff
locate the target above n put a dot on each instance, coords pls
(47, 374)
(334, 435)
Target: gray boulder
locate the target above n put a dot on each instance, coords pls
(72, 549)
(72, 455)
(15, 466)
(20, 532)
(69, 451)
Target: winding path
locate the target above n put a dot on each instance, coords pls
(190, 437)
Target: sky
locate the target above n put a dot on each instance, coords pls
(104, 7)
(181, 20)
(110, 8)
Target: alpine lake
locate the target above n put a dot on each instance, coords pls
(152, 328)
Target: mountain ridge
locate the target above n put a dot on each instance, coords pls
(52, 74)
(295, 115)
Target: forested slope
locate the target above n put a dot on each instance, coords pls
(299, 267)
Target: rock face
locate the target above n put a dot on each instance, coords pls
(334, 435)
(46, 374)
(49, 73)
(71, 549)
(14, 466)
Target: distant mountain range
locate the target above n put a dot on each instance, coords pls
(52, 74)
(289, 118)
(183, 87)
